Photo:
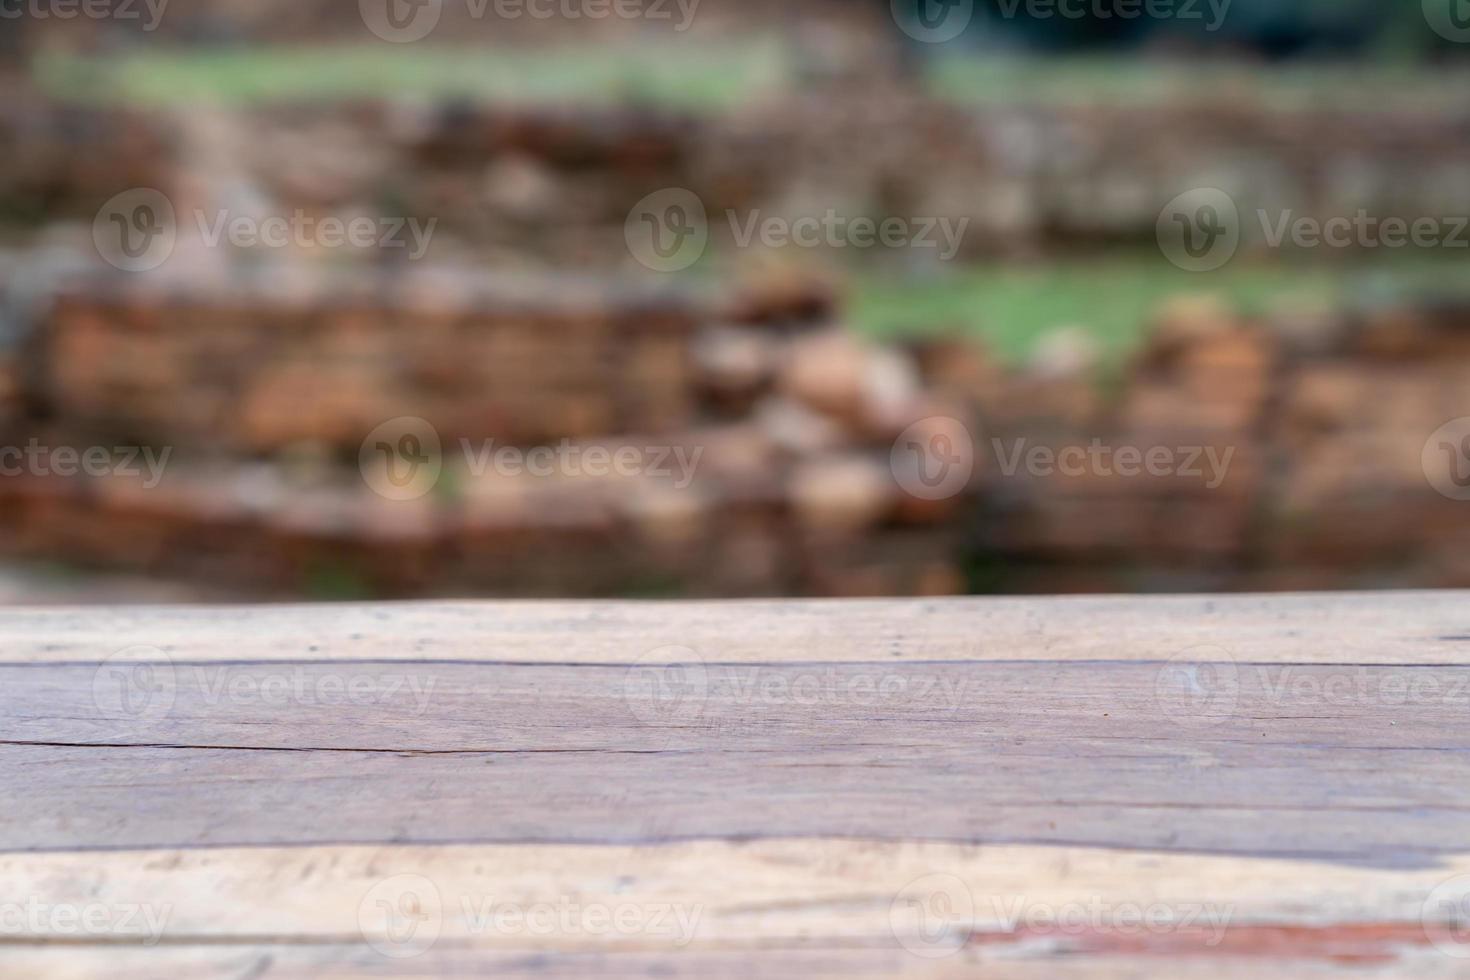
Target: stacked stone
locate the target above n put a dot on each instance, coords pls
(1374, 488)
(760, 432)
(553, 184)
(248, 367)
(559, 183)
(1295, 451)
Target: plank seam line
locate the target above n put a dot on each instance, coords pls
(329, 748)
(1426, 857)
(614, 665)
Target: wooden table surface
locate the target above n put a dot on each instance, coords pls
(1171, 787)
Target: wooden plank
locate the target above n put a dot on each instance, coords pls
(1106, 754)
(331, 963)
(1375, 628)
(790, 789)
(649, 903)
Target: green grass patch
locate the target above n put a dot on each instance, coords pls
(1011, 306)
(691, 75)
(707, 75)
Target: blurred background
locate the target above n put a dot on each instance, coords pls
(654, 298)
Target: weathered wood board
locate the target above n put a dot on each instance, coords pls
(1092, 787)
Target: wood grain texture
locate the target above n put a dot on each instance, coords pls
(914, 788)
(1385, 627)
(826, 905)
